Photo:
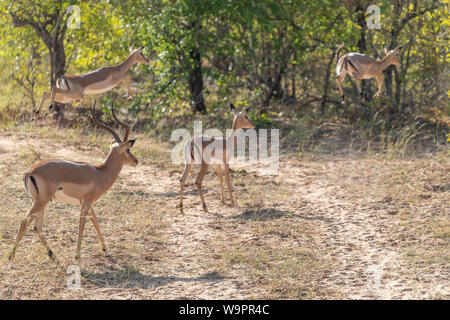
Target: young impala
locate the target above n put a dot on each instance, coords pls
(204, 149)
(76, 183)
(71, 88)
(361, 66)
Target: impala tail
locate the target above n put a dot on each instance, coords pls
(62, 83)
(346, 62)
(189, 152)
(32, 190)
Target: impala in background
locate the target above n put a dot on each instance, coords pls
(71, 88)
(205, 149)
(361, 66)
(75, 183)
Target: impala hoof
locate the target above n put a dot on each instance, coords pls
(205, 208)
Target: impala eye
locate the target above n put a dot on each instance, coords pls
(128, 151)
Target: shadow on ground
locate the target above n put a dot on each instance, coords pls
(129, 278)
(273, 214)
(177, 194)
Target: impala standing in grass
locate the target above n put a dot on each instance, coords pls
(203, 148)
(361, 66)
(75, 183)
(71, 88)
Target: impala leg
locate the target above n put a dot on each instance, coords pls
(58, 94)
(227, 177)
(93, 218)
(129, 94)
(219, 173)
(52, 96)
(358, 85)
(339, 80)
(44, 98)
(23, 226)
(198, 183)
(38, 229)
(83, 214)
(187, 169)
(380, 81)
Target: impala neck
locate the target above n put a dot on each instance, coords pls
(110, 170)
(385, 62)
(127, 63)
(233, 134)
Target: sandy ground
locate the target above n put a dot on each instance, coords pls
(324, 227)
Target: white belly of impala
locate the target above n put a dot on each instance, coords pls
(100, 87)
(60, 196)
(63, 99)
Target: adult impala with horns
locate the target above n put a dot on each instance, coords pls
(76, 183)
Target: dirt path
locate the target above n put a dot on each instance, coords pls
(362, 235)
(181, 271)
(184, 264)
(320, 229)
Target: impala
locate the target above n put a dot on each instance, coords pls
(203, 149)
(361, 66)
(70, 88)
(75, 183)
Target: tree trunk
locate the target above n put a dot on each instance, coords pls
(196, 83)
(57, 60)
(327, 83)
(388, 73)
(361, 20)
(54, 40)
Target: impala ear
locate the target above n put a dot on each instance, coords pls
(131, 48)
(233, 109)
(130, 143)
(247, 110)
(398, 48)
(386, 49)
(140, 48)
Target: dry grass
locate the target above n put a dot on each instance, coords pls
(309, 232)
